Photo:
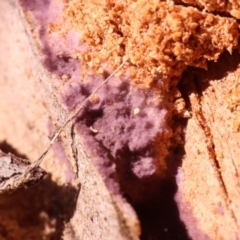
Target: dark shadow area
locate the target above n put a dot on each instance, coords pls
(217, 70)
(152, 197)
(159, 214)
(197, 79)
(39, 212)
(7, 148)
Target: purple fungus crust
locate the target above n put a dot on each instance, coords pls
(120, 138)
(123, 126)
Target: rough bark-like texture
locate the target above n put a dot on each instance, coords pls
(112, 170)
(208, 193)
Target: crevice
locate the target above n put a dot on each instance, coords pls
(201, 9)
(183, 4)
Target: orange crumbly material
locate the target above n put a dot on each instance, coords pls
(231, 6)
(158, 39)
